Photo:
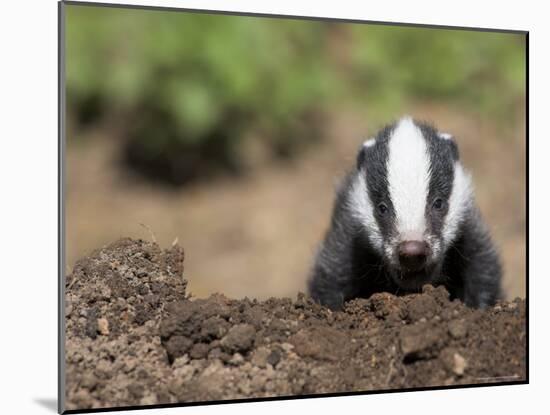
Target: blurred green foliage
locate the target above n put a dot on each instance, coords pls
(188, 86)
(195, 65)
(483, 71)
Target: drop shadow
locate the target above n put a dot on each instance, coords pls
(48, 403)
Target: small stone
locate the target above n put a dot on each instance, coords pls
(420, 341)
(260, 356)
(459, 364)
(141, 273)
(453, 361)
(180, 361)
(287, 347)
(458, 329)
(236, 360)
(239, 338)
(88, 381)
(274, 358)
(103, 326)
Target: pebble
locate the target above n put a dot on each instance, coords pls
(274, 358)
(103, 326)
(88, 381)
(454, 361)
(239, 338)
(458, 329)
(459, 364)
(260, 356)
(236, 360)
(419, 340)
(287, 347)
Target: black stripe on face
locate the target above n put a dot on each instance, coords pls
(443, 155)
(373, 160)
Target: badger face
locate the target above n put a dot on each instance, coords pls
(410, 195)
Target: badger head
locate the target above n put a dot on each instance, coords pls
(410, 195)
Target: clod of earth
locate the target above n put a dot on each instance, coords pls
(133, 337)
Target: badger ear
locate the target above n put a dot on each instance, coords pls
(367, 144)
(451, 140)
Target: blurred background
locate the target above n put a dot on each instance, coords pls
(229, 133)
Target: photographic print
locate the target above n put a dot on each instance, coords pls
(264, 207)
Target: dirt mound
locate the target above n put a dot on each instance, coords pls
(134, 338)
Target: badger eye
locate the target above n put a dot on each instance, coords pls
(438, 204)
(382, 208)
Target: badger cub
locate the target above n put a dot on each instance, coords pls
(405, 216)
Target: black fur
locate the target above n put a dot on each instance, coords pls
(472, 268)
(347, 265)
(441, 152)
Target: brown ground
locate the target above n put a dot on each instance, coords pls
(256, 236)
(134, 338)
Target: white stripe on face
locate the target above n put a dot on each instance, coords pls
(461, 197)
(408, 179)
(362, 209)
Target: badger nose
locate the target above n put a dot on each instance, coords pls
(413, 254)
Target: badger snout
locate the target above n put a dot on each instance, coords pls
(413, 254)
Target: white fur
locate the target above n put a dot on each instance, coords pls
(408, 178)
(362, 209)
(459, 202)
(445, 136)
(369, 143)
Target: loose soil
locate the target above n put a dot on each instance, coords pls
(134, 337)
